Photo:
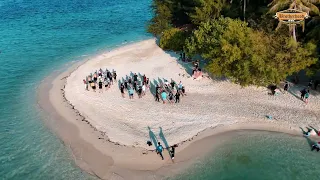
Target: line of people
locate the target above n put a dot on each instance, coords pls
(99, 79)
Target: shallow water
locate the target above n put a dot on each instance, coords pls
(38, 37)
(253, 155)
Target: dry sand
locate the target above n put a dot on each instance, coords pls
(107, 133)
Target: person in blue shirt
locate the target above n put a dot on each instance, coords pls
(159, 150)
(130, 91)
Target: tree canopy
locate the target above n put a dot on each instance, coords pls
(237, 38)
(247, 56)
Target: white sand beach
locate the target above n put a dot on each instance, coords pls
(107, 134)
(208, 103)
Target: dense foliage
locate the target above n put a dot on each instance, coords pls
(173, 39)
(248, 56)
(244, 46)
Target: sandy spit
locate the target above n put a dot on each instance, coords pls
(107, 134)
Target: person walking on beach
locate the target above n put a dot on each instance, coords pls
(172, 151)
(122, 89)
(177, 97)
(159, 150)
(183, 90)
(130, 91)
(93, 86)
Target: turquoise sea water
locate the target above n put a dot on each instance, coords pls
(37, 37)
(258, 155)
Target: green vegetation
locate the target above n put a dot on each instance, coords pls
(173, 39)
(238, 39)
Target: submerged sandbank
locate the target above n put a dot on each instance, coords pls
(92, 124)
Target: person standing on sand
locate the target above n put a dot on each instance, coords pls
(130, 91)
(303, 92)
(114, 75)
(180, 85)
(135, 85)
(177, 97)
(140, 91)
(85, 85)
(129, 80)
(172, 83)
(164, 97)
(122, 89)
(135, 77)
(147, 83)
(157, 93)
(126, 84)
(100, 86)
(286, 86)
(144, 79)
(159, 150)
(143, 89)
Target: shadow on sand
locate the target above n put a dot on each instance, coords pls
(153, 138)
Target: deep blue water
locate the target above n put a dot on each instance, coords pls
(37, 37)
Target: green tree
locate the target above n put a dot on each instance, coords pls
(162, 18)
(173, 39)
(246, 56)
(207, 10)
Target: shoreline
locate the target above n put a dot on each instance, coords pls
(94, 152)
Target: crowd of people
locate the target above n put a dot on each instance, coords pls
(168, 92)
(134, 84)
(100, 79)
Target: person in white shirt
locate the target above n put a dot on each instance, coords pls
(143, 89)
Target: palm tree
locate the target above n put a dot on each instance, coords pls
(302, 5)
